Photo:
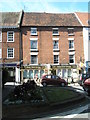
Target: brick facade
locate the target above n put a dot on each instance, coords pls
(45, 45)
(15, 45)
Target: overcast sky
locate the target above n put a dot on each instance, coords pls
(50, 6)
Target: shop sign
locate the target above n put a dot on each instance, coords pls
(33, 67)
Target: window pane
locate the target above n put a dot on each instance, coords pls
(0, 53)
(55, 59)
(31, 74)
(71, 44)
(33, 44)
(10, 36)
(10, 52)
(71, 59)
(41, 73)
(33, 31)
(55, 31)
(55, 45)
(33, 59)
(36, 73)
(24, 74)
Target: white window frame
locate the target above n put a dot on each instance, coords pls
(7, 53)
(0, 53)
(58, 59)
(8, 34)
(53, 45)
(71, 43)
(32, 32)
(37, 59)
(34, 39)
(55, 33)
(71, 34)
(73, 59)
(0, 36)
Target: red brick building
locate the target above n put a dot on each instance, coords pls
(52, 43)
(10, 43)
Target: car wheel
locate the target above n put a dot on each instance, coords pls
(62, 84)
(44, 84)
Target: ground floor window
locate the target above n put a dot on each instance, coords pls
(31, 74)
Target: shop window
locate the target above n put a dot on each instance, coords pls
(64, 73)
(31, 74)
(69, 72)
(24, 74)
(36, 73)
(41, 73)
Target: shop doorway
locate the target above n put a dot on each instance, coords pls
(53, 72)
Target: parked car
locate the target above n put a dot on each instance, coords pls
(52, 80)
(86, 85)
(83, 77)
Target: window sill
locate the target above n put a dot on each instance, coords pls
(55, 34)
(10, 41)
(9, 58)
(71, 49)
(34, 34)
(70, 34)
(33, 50)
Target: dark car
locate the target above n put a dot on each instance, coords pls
(53, 80)
(86, 85)
(83, 77)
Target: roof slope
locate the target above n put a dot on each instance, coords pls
(49, 19)
(9, 19)
(83, 17)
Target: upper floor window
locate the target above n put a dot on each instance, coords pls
(33, 31)
(56, 59)
(10, 53)
(0, 53)
(10, 36)
(71, 44)
(0, 36)
(33, 44)
(55, 45)
(55, 31)
(34, 59)
(72, 59)
(70, 31)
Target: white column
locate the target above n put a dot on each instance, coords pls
(17, 74)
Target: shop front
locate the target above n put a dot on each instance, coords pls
(31, 72)
(66, 72)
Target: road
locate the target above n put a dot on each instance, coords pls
(82, 111)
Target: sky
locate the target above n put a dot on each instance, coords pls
(49, 6)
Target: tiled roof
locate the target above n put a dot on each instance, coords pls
(50, 19)
(83, 17)
(9, 19)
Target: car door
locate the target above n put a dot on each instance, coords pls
(49, 80)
